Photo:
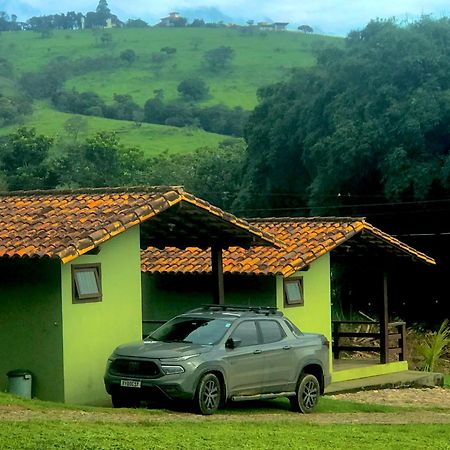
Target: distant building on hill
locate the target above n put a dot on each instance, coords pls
(276, 26)
(280, 26)
(264, 26)
(174, 19)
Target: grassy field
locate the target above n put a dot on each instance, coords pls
(152, 139)
(260, 59)
(337, 424)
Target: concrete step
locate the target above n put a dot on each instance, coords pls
(407, 378)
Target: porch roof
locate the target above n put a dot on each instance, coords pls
(305, 239)
(66, 224)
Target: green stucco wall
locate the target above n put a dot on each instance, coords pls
(92, 330)
(30, 324)
(166, 295)
(315, 315)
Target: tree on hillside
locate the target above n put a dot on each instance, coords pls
(101, 160)
(100, 17)
(136, 23)
(371, 119)
(23, 159)
(305, 29)
(193, 89)
(8, 23)
(103, 12)
(197, 23)
(76, 125)
(218, 59)
(129, 56)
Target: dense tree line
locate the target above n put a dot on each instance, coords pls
(27, 162)
(8, 23)
(13, 109)
(216, 119)
(371, 120)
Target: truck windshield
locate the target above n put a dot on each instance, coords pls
(203, 331)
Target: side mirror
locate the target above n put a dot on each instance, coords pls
(233, 343)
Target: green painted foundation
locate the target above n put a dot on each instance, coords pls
(370, 370)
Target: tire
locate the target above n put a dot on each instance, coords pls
(124, 401)
(307, 394)
(208, 395)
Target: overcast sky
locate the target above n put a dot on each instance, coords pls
(332, 16)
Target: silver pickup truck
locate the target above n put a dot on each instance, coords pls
(217, 353)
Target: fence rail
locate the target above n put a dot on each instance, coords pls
(394, 341)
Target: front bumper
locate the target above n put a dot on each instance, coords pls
(149, 392)
(173, 387)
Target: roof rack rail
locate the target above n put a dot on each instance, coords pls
(256, 309)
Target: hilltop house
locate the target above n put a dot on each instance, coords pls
(70, 280)
(173, 19)
(280, 26)
(276, 26)
(296, 278)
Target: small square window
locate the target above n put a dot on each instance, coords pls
(86, 283)
(293, 292)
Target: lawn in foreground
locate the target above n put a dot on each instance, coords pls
(248, 426)
(207, 434)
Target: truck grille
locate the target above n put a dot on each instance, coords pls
(134, 368)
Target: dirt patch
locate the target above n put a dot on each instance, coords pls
(9, 414)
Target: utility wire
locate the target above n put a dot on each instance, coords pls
(355, 205)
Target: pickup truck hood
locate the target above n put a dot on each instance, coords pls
(157, 350)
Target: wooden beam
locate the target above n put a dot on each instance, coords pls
(384, 324)
(217, 272)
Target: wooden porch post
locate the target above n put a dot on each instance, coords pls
(217, 272)
(384, 322)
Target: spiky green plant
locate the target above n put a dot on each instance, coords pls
(433, 346)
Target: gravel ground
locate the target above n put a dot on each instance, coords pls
(417, 398)
(425, 398)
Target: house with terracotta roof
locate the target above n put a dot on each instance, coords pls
(297, 278)
(70, 277)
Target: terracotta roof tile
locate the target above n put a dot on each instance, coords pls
(305, 239)
(67, 224)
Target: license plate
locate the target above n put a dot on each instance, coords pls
(130, 383)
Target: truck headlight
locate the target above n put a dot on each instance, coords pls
(172, 370)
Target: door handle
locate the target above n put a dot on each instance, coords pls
(287, 347)
(256, 352)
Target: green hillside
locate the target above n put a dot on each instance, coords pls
(260, 58)
(152, 139)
